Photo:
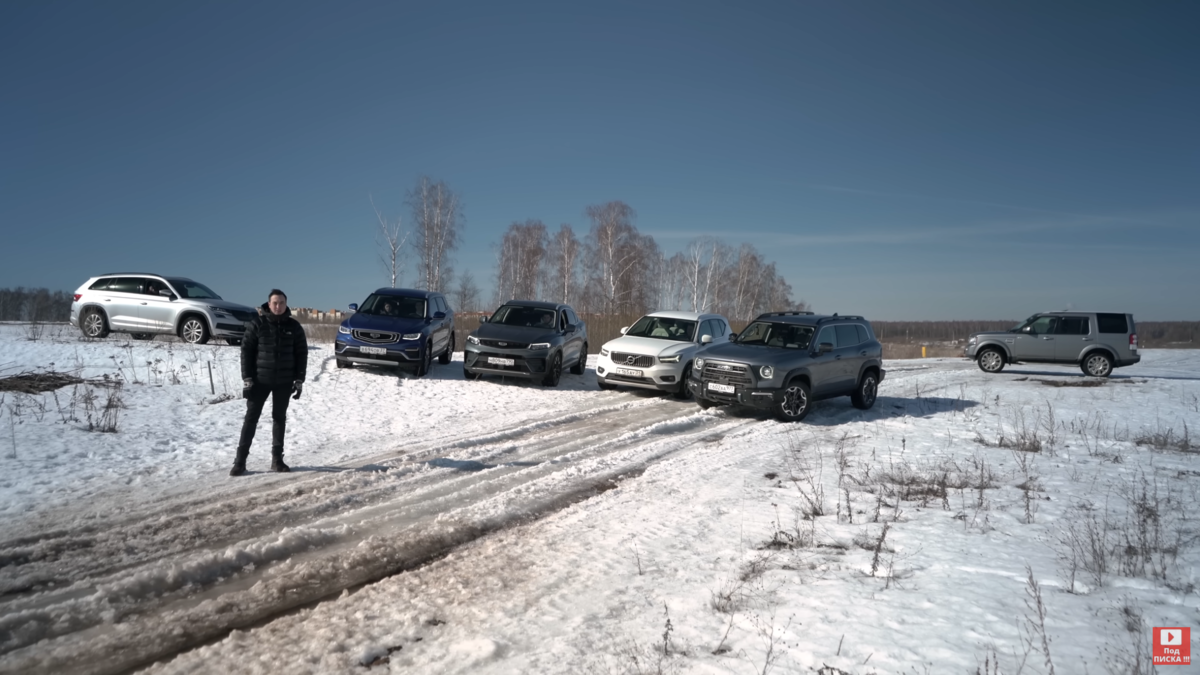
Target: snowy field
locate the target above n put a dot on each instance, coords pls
(1030, 521)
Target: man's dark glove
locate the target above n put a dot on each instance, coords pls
(247, 386)
(297, 387)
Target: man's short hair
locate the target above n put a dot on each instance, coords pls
(276, 291)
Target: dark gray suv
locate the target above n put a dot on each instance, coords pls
(783, 361)
(529, 339)
(1095, 341)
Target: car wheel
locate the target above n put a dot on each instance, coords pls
(554, 372)
(142, 336)
(426, 362)
(864, 394)
(471, 376)
(444, 358)
(233, 342)
(579, 368)
(990, 360)
(343, 363)
(93, 324)
(793, 406)
(193, 330)
(684, 392)
(1097, 364)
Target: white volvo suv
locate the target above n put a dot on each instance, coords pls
(656, 351)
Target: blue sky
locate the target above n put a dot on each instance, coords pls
(916, 160)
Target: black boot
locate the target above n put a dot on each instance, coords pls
(277, 464)
(239, 464)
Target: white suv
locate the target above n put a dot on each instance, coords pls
(146, 305)
(656, 351)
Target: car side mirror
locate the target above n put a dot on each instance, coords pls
(483, 319)
(570, 328)
(439, 315)
(166, 294)
(354, 306)
(732, 336)
(705, 339)
(825, 348)
(624, 329)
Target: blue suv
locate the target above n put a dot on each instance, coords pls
(397, 327)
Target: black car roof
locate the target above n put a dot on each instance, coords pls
(406, 292)
(540, 304)
(806, 318)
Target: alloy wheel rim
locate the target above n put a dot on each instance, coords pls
(869, 389)
(92, 325)
(1097, 365)
(991, 360)
(192, 330)
(794, 401)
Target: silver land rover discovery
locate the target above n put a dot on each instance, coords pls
(1095, 341)
(146, 305)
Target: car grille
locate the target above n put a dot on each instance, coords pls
(727, 373)
(242, 316)
(375, 337)
(635, 360)
(504, 344)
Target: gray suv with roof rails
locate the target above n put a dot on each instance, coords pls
(783, 361)
(145, 305)
(1095, 341)
(529, 339)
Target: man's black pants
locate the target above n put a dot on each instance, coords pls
(255, 400)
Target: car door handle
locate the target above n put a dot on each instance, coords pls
(1047, 338)
(1087, 339)
(143, 303)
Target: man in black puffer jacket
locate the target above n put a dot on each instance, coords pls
(274, 360)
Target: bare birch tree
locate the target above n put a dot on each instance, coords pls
(612, 254)
(562, 263)
(437, 229)
(390, 240)
(466, 293)
(521, 255)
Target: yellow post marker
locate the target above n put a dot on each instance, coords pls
(922, 351)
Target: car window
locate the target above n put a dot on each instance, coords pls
(124, 285)
(516, 315)
(1043, 325)
(847, 336)
(663, 328)
(1112, 323)
(100, 285)
(862, 333)
(782, 335)
(563, 320)
(1073, 325)
(193, 290)
(153, 286)
(393, 305)
(721, 327)
(571, 316)
(828, 334)
(446, 306)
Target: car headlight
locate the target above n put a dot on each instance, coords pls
(344, 330)
(669, 359)
(219, 310)
(604, 351)
(472, 340)
(540, 345)
(411, 336)
(971, 340)
(699, 364)
(767, 372)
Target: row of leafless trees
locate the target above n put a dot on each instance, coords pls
(437, 225)
(34, 304)
(617, 270)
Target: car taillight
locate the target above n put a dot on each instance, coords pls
(78, 296)
(1133, 341)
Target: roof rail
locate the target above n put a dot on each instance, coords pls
(798, 313)
(852, 317)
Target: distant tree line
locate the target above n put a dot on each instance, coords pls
(617, 270)
(34, 304)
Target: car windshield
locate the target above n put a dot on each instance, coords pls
(193, 290)
(1017, 328)
(784, 335)
(393, 305)
(663, 328)
(517, 315)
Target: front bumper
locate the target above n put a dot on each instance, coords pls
(659, 376)
(754, 397)
(525, 363)
(397, 354)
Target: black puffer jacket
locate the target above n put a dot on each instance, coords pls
(274, 349)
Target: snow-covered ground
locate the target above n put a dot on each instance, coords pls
(445, 526)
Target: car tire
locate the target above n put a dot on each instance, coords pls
(864, 395)
(795, 403)
(193, 330)
(445, 356)
(467, 374)
(579, 368)
(990, 360)
(233, 342)
(93, 324)
(1097, 364)
(343, 363)
(604, 386)
(553, 371)
(426, 362)
(142, 336)
(684, 392)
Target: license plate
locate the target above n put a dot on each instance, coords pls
(494, 361)
(628, 372)
(373, 350)
(722, 388)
